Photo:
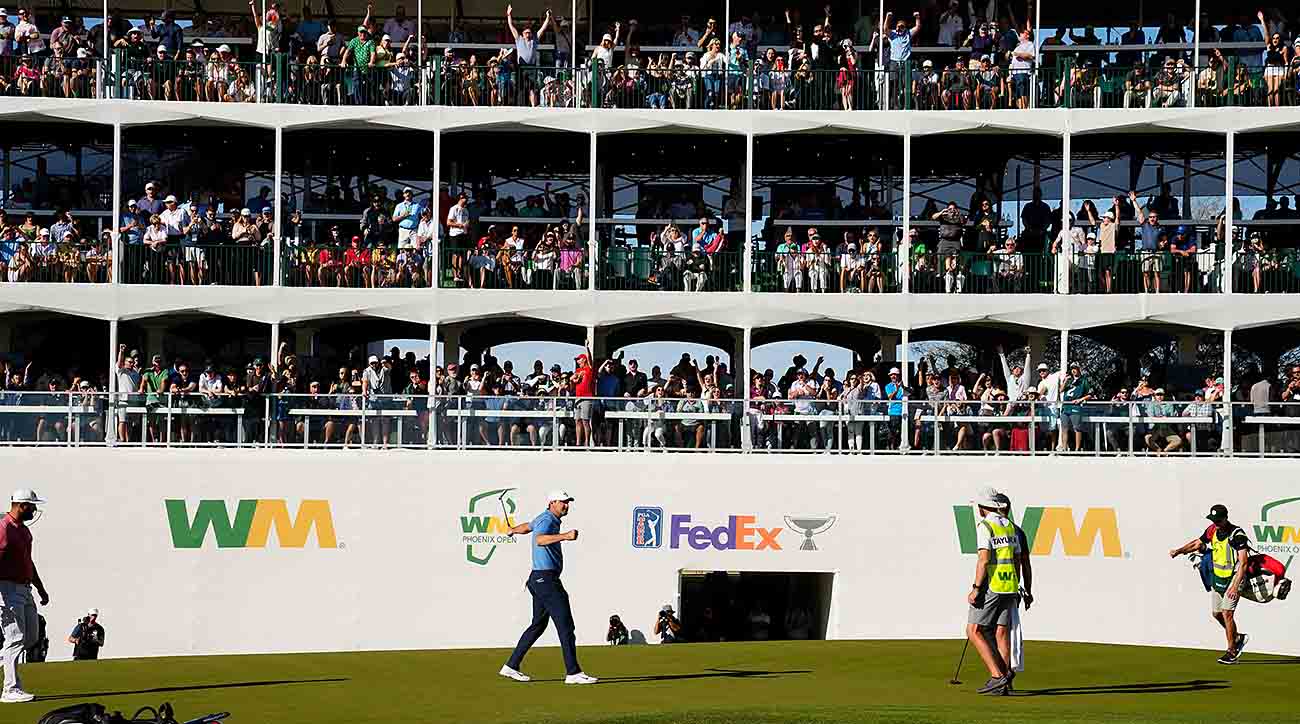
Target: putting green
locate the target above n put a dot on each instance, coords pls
(804, 681)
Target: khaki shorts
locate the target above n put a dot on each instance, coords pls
(1220, 602)
(993, 609)
(1151, 263)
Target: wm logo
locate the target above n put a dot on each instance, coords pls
(1044, 526)
(252, 523)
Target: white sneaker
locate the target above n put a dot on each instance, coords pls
(18, 696)
(510, 673)
(580, 678)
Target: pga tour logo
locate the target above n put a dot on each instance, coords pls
(739, 532)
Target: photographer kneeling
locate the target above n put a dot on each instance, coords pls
(668, 628)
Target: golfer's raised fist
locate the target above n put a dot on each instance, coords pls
(573, 534)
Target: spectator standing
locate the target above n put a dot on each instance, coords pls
(7, 33)
(1023, 58)
(900, 50)
(1147, 244)
(1076, 389)
(17, 577)
(168, 33)
(399, 27)
(87, 637)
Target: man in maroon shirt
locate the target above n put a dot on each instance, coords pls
(17, 576)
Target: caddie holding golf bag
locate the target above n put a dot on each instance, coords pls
(1231, 573)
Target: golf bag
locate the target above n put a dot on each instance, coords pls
(38, 650)
(1263, 580)
(97, 714)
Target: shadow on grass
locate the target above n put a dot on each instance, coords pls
(1164, 687)
(706, 674)
(196, 687)
(1295, 660)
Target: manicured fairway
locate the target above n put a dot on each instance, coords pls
(814, 682)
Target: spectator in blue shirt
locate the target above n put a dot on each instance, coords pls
(169, 35)
(407, 217)
(1148, 243)
(1183, 248)
(131, 230)
(550, 600)
(896, 392)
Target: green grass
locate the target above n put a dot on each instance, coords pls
(811, 682)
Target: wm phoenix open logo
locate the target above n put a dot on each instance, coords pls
(486, 524)
(1277, 538)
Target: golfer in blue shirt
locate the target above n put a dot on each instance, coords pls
(550, 600)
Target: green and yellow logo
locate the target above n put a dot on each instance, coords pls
(486, 524)
(1044, 526)
(1274, 537)
(252, 523)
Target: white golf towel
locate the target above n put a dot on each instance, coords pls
(1017, 642)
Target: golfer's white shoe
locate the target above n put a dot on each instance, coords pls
(510, 673)
(15, 696)
(580, 678)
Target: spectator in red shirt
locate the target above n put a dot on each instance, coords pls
(584, 386)
(17, 576)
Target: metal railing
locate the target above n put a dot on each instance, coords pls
(1273, 271)
(662, 269)
(1146, 272)
(198, 264)
(979, 273)
(858, 422)
(506, 268)
(326, 265)
(825, 272)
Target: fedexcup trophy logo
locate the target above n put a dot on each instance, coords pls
(810, 525)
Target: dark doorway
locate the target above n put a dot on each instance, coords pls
(749, 606)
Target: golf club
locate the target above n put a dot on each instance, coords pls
(505, 513)
(954, 680)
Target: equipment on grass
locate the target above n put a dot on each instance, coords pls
(97, 714)
(960, 660)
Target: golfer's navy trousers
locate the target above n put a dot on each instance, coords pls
(550, 601)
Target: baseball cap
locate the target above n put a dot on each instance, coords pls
(408, 189)
(582, 357)
(170, 199)
(92, 612)
(245, 212)
(1218, 512)
(561, 495)
(668, 608)
(150, 185)
(1160, 391)
(605, 37)
(1042, 367)
(556, 368)
(373, 359)
(223, 48)
(928, 64)
(362, 29)
(986, 497)
(895, 371)
(26, 495)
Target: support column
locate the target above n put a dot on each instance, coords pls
(1065, 351)
(904, 247)
(439, 216)
(304, 341)
(1187, 344)
(1229, 251)
(593, 246)
(110, 427)
(275, 347)
(433, 349)
(451, 343)
(904, 362)
(1226, 445)
(747, 235)
(115, 272)
(590, 344)
(1037, 350)
(153, 342)
(278, 207)
(1065, 260)
(742, 377)
(888, 346)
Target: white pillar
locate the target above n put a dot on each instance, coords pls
(904, 430)
(433, 349)
(110, 428)
(1226, 445)
(1065, 260)
(1065, 351)
(438, 216)
(590, 344)
(275, 348)
(746, 237)
(1229, 250)
(1196, 43)
(116, 217)
(278, 208)
(726, 26)
(593, 247)
(108, 49)
(904, 247)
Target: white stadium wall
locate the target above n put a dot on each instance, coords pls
(399, 571)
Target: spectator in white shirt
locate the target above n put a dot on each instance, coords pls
(458, 232)
(399, 27)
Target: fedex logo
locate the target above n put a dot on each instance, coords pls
(739, 534)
